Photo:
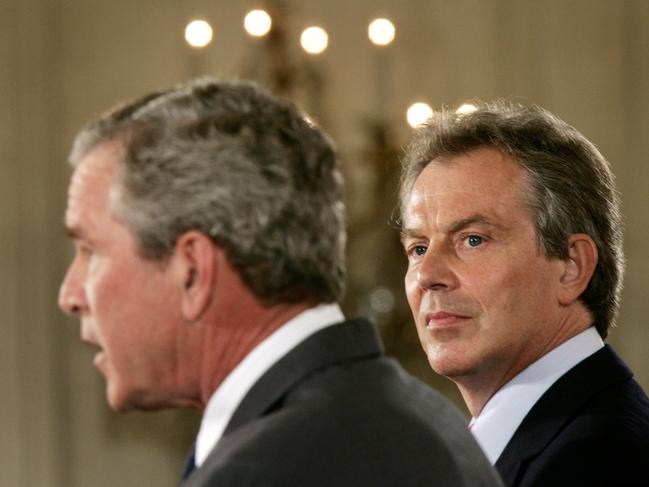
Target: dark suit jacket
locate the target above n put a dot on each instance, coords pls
(590, 428)
(336, 412)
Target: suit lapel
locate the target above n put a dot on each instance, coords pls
(557, 407)
(334, 344)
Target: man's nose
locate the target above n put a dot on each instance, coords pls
(71, 294)
(435, 271)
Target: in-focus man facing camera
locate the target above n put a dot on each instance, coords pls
(511, 225)
(209, 232)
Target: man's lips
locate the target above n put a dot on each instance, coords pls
(442, 319)
(89, 337)
(99, 360)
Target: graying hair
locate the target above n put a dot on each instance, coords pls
(230, 160)
(572, 186)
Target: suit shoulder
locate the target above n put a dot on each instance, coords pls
(366, 420)
(592, 460)
(605, 443)
(620, 411)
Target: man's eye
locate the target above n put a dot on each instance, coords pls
(474, 240)
(419, 250)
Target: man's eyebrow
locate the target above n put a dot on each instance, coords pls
(471, 220)
(454, 227)
(409, 233)
(72, 232)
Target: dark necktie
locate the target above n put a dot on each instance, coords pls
(190, 462)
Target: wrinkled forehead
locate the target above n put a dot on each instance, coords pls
(91, 182)
(481, 181)
(97, 165)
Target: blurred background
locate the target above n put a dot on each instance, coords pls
(64, 61)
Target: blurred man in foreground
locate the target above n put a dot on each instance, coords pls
(511, 225)
(209, 232)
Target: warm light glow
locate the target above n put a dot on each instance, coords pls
(309, 120)
(418, 113)
(314, 40)
(198, 33)
(466, 108)
(381, 32)
(257, 23)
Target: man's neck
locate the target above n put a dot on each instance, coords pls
(244, 332)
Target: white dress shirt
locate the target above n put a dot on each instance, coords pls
(232, 390)
(505, 411)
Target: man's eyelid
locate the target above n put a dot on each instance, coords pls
(82, 245)
(473, 233)
(409, 239)
(412, 244)
(418, 244)
(78, 237)
(463, 240)
(479, 229)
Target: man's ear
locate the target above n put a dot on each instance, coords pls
(196, 266)
(579, 267)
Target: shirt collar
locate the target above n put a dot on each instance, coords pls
(505, 411)
(233, 389)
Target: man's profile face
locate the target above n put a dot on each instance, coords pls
(124, 302)
(482, 294)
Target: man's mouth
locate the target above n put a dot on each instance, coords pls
(443, 319)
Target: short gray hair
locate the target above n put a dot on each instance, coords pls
(232, 161)
(572, 185)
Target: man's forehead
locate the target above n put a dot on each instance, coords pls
(481, 186)
(484, 171)
(88, 192)
(98, 165)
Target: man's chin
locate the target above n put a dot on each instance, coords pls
(456, 357)
(451, 366)
(123, 402)
(116, 403)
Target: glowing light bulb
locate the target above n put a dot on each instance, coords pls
(418, 113)
(466, 108)
(257, 23)
(381, 32)
(198, 33)
(314, 40)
